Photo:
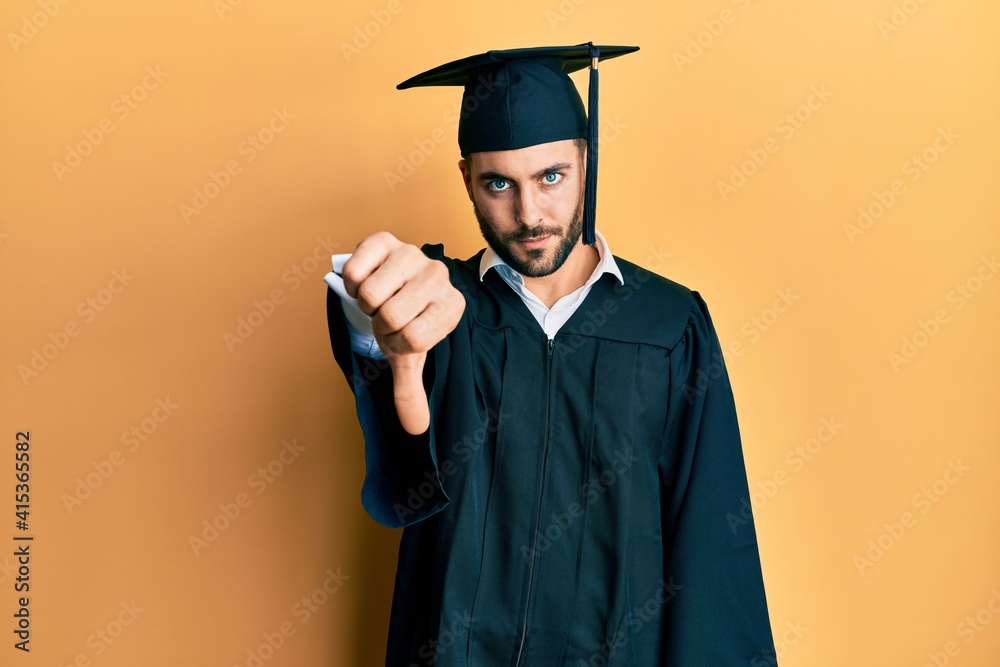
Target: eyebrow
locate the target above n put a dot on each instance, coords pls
(497, 176)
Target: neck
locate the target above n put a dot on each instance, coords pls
(568, 278)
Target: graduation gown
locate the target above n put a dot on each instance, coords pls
(580, 501)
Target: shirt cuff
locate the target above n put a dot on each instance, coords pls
(359, 325)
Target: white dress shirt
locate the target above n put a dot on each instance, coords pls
(549, 319)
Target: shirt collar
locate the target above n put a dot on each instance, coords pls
(607, 264)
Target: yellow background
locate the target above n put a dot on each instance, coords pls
(893, 75)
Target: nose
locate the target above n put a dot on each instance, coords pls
(528, 211)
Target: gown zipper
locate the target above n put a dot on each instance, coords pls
(541, 491)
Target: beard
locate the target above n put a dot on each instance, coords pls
(539, 262)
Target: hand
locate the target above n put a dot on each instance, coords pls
(413, 306)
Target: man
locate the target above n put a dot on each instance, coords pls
(553, 426)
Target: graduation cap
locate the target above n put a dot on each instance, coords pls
(522, 97)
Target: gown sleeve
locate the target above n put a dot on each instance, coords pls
(402, 481)
(719, 613)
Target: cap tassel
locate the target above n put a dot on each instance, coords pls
(590, 187)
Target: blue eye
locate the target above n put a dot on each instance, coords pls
(552, 178)
(498, 185)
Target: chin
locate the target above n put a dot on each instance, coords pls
(538, 262)
(533, 262)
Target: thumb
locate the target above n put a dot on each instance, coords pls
(408, 392)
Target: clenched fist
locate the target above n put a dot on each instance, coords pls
(413, 306)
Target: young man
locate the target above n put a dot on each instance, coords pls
(553, 426)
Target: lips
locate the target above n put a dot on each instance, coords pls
(534, 242)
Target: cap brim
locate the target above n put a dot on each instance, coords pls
(456, 73)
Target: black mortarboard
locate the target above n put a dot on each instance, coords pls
(522, 97)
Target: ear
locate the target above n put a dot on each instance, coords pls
(466, 169)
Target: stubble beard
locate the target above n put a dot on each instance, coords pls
(539, 261)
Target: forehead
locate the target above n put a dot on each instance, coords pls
(527, 160)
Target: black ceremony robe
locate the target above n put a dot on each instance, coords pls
(573, 501)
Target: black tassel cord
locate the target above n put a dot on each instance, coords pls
(590, 187)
